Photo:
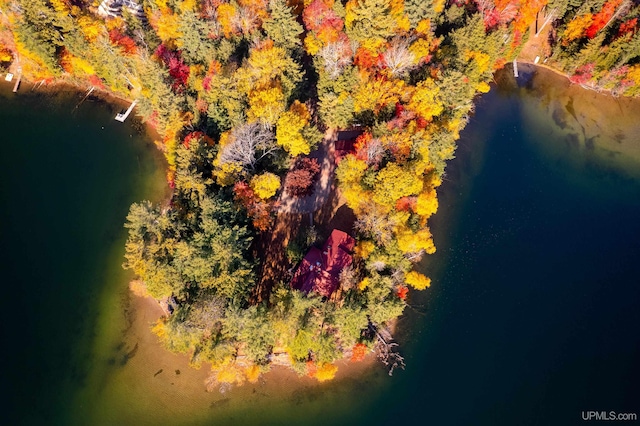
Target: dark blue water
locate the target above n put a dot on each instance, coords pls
(67, 178)
(534, 316)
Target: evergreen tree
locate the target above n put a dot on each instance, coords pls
(281, 26)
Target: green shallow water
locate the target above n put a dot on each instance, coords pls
(532, 316)
(68, 177)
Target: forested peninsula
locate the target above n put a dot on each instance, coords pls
(305, 143)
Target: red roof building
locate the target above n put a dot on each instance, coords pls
(319, 271)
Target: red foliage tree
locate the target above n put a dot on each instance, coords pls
(527, 12)
(364, 58)
(629, 26)
(312, 368)
(359, 352)
(178, 70)
(369, 149)
(126, 43)
(299, 181)
(94, 80)
(191, 137)
(601, 19)
(318, 15)
(402, 292)
(583, 74)
(406, 204)
(259, 211)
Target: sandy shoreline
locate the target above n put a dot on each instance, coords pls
(146, 311)
(153, 377)
(594, 122)
(166, 379)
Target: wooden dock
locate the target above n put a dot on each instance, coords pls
(121, 117)
(15, 86)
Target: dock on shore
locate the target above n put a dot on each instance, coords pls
(15, 86)
(121, 117)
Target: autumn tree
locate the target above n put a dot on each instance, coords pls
(398, 59)
(289, 130)
(281, 25)
(336, 56)
(301, 178)
(394, 182)
(370, 22)
(417, 280)
(375, 93)
(265, 185)
(246, 145)
(426, 100)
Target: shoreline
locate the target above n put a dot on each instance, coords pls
(148, 308)
(104, 95)
(146, 367)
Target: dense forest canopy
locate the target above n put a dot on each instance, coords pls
(242, 92)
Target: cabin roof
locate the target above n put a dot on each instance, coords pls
(319, 270)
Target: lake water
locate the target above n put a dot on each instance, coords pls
(67, 178)
(532, 316)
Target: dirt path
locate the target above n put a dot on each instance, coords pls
(272, 246)
(325, 154)
(536, 46)
(272, 251)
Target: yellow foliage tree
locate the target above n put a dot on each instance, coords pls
(226, 173)
(325, 372)
(576, 28)
(188, 5)
(417, 280)
(312, 44)
(5, 55)
(168, 25)
(253, 373)
(355, 196)
(427, 203)
(265, 64)
(75, 65)
(226, 16)
(266, 105)
(414, 242)
(364, 283)
(483, 87)
(426, 100)
(160, 329)
(350, 172)
(394, 182)
(364, 249)
(230, 373)
(351, 169)
(481, 60)
(265, 185)
(376, 93)
(421, 48)
(90, 28)
(289, 128)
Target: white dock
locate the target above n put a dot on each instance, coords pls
(15, 87)
(515, 68)
(121, 117)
